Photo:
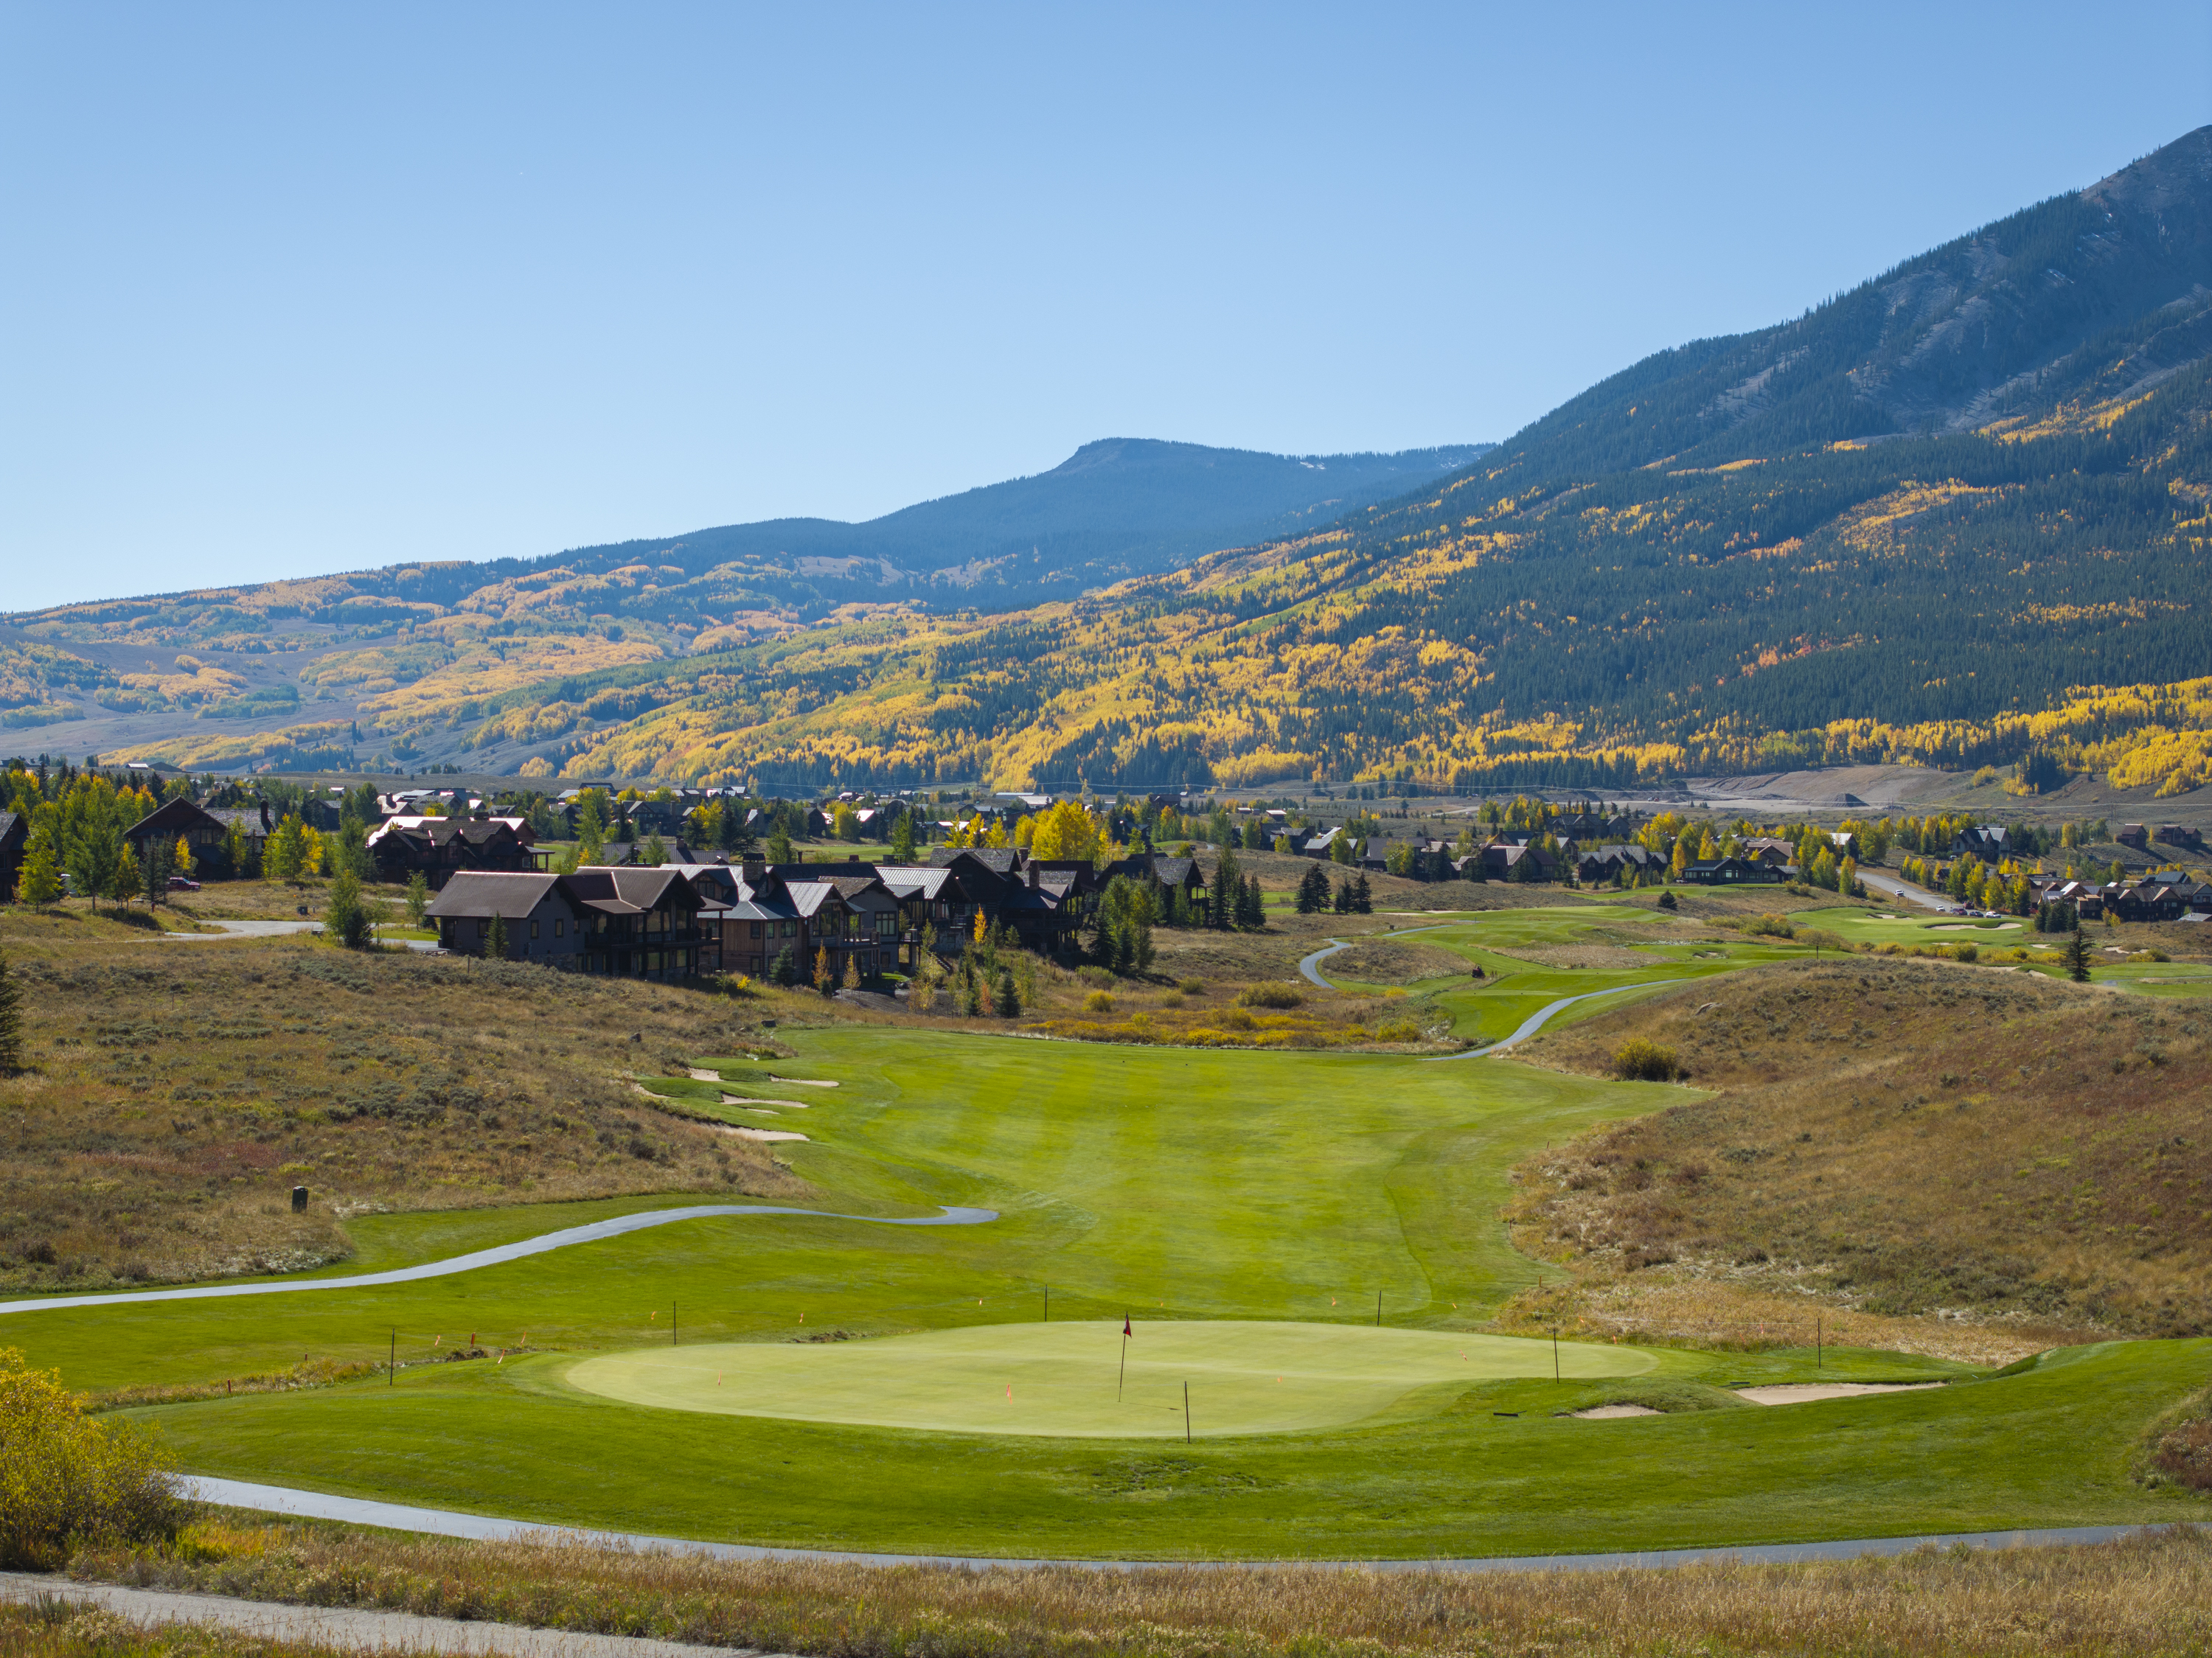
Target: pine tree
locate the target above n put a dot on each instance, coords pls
(784, 970)
(2077, 957)
(1009, 1000)
(902, 847)
(1362, 900)
(496, 940)
(1227, 883)
(1313, 889)
(1343, 897)
(11, 1022)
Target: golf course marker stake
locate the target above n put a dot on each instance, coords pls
(1124, 1377)
(391, 1360)
(1555, 1353)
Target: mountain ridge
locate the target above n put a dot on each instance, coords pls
(1956, 514)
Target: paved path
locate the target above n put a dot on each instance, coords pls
(492, 1257)
(280, 930)
(350, 1628)
(1311, 965)
(1534, 1021)
(443, 1522)
(1904, 891)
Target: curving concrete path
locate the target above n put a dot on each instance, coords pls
(347, 1629)
(279, 930)
(447, 1522)
(1311, 964)
(1535, 1021)
(1904, 891)
(494, 1256)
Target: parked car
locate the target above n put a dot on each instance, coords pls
(183, 883)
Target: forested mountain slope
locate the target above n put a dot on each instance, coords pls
(1958, 515)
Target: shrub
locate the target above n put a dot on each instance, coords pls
(1643, 1060)
(1191, 986)
(1965, 952)
(1271, 996)
(1171, 998)
(1398, 1031)
(1099, 1002)
(1666, 901)
(1770, 926)
(66, 1478)
(2157, 955)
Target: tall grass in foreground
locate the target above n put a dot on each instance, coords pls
(2152, 1595)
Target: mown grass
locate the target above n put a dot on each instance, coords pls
(1494, 1472)
(2148, 1595)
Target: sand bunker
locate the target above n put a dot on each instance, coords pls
(747, 1099)
(799, 1082)
(765, 1133)
(1801, 1393)
(1604, 1412)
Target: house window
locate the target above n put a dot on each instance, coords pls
(483, 927)
(756, 929)
(558, 926)
(534, 929)
(653, 961)
(791, 929)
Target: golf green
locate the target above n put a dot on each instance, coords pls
(1075, 1379)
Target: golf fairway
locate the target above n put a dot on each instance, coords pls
(1064, 1380)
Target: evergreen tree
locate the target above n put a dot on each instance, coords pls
(656, 852)
(784, 970)
(154, 863)
(1313, 889)
(1343, 897)
(903, 846)
(971, 996)
(2077, 957)
(1008, 998)
(1362, 900)
(496, 940)
(1227, 883)
(779, 844)
(591, 826)
(11, 1022)
(1251, 905)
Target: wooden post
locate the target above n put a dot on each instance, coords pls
(1555, 1353)
(392, 1361)
(1378, 1309)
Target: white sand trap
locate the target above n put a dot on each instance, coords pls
(1606, 1413)
(747, 1099)
(1802, 1392)
(1948, 926)
(765, 1133)
(699, 1076)
(799, 1082)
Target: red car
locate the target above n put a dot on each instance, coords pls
(183, 883)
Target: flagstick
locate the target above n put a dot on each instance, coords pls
(1124, 1377)
(1186, 1413)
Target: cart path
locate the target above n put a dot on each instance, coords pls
(1904, 891)
(350, 1629)
(1311, 966)
(494, 1256)
(1534, 1021)
(444, 1522)
(280, 930)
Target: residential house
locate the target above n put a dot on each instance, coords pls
(206, 833)
(438, 848)
(1504, 861)
(1184, 874)
(677, 850)
(1599, 865)
(753, 913)
(638, 923)
(1846, 844)
(1987, 841)
(15, 837)
(2134, 834)
(1771, 849)
(2180, 835)
(1731, 871)
(538, 911)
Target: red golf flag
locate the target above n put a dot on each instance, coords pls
(1125, 1330)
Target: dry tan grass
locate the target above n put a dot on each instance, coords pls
(1892, 1140)
(179, 1091)
(2145, 1596)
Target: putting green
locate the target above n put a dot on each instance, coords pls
(1064, 1380)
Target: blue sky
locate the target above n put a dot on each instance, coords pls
(288, 289)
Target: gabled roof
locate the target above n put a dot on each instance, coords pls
(906, 880)
(10, 822)
(628, 890)
(999, 861)
(181, 817)
(483, 893)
